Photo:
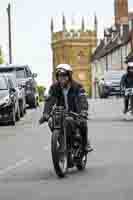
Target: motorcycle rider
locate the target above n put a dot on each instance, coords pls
(70, 94)
(127, 82)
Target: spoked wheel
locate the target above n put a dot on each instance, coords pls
(82, 163)
(59, 156)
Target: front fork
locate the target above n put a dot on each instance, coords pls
(65, 139)
(131, 102)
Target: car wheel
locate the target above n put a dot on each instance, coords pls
(21, 109)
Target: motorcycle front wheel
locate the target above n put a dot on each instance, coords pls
(59, 156)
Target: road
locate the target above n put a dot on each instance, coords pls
(26, 170)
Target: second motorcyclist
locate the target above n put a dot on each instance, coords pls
(127, 82)
(70, 94)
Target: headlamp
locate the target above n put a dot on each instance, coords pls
(5, 100)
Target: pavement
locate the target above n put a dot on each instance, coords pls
(26, 169)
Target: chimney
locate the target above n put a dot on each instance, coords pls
(121, 11)
(131, 21)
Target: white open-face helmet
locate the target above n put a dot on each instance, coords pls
(130, 64)
(130, 67)
(64, 67)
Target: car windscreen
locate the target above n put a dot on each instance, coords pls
(3, 84)
(20, 73)
(113, 76)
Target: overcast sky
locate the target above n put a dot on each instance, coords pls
(31, 28)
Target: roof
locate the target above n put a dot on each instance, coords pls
(97, 52)
(112, 44)
(104, 49)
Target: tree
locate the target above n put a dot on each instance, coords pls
(1, 56)
(41, 89)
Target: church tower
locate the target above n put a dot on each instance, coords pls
(74, 46)
(121, 11)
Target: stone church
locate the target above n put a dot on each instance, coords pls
(74, 47)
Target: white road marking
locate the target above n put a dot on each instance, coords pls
(19, 163)
(12, 167)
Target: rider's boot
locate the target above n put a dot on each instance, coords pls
(86, 143)
(88, 147)
(125, 110)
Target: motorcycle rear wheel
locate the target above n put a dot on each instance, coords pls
(59, 158)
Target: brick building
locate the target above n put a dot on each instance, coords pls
(116, 48)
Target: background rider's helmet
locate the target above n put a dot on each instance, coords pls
(64, 68)
(130, 67)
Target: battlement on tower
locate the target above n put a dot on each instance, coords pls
(73, 35)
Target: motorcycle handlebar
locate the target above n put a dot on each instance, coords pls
(73, 114)
(77, 115)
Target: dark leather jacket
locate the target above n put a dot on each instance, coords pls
(77, 100)
(127, 81)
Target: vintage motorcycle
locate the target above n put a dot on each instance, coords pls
(66, 154)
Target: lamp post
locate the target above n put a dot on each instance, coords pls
(9, 32)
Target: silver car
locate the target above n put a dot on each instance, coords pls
(21, 93)
(9, 104)
(109, 85)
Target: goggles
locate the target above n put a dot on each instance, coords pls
(62, 74)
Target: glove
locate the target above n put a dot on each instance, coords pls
(84, 114)
(43, 119)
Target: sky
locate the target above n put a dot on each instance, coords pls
(31, 36)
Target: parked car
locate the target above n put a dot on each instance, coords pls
(109, 84)
(9, 104)
(21, 93)
(25, 78)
